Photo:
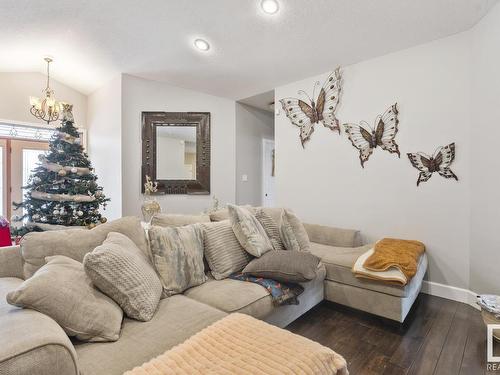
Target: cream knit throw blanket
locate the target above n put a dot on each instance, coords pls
(240, 344)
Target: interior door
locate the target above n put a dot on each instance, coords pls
(268, 172)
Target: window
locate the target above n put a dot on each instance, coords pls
(30, 162)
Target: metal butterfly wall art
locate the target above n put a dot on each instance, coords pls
(305, 115)
(366, 139)
(439, 162)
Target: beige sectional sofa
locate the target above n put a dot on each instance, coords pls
(33, 343)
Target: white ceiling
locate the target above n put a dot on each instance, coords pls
(93, 40)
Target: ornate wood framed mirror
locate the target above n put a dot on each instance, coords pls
(176, 151)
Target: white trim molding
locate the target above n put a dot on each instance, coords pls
(450, 292)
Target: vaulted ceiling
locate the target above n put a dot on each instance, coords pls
(251, 52)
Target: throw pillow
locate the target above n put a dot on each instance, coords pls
(223, 252)
(284, 266)
(223, 213)
(178, 257)
(293, 233)
(61, 289)
(171, 220)
(75, 243)
(249, 231)
(121, 271)
(271, 228)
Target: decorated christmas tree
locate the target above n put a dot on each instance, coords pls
(62, 189)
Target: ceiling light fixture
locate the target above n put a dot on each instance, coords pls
(46, 108)
(269, 6)
(201, 44)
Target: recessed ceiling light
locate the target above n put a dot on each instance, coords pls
(269, 6)
(201, 44)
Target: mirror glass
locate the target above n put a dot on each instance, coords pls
(176, 152)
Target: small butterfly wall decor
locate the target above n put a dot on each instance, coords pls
(366, 139)
(306, 115)
(439, 162)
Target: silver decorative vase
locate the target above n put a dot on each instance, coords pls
(149, 208)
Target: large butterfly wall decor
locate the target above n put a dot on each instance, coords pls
(306, 115)
(439, 162)
(366, 139)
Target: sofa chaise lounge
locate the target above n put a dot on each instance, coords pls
(31, 342)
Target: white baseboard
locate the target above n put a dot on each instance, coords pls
(450, 292)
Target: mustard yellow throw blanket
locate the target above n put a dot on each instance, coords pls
(240, 344)
(396, 259)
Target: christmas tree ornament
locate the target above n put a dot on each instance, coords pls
(103, 219)
(79, 213)
(62, 172)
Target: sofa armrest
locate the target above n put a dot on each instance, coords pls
(333, 236)
(31, 342)
(11, 262)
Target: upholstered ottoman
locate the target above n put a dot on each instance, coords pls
(341, 286)
(241, 344)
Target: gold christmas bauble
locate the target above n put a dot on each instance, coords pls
(103, 219)
(61, 172)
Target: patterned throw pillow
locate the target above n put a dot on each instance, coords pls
(61, 289)
(178, 257)
(249, 231)
(122, 272)
(293, 233)
(271, 228)
(223, 252)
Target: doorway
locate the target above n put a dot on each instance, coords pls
(268, 173)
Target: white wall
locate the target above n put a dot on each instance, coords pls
(142, 95)
(104, 142)
(16, 88)
(252, 126)
(325, 183)
(485, 162)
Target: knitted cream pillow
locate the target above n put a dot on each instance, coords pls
(122, 272)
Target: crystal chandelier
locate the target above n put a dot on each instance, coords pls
(46, 108)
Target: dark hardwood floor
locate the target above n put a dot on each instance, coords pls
(438, 337)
